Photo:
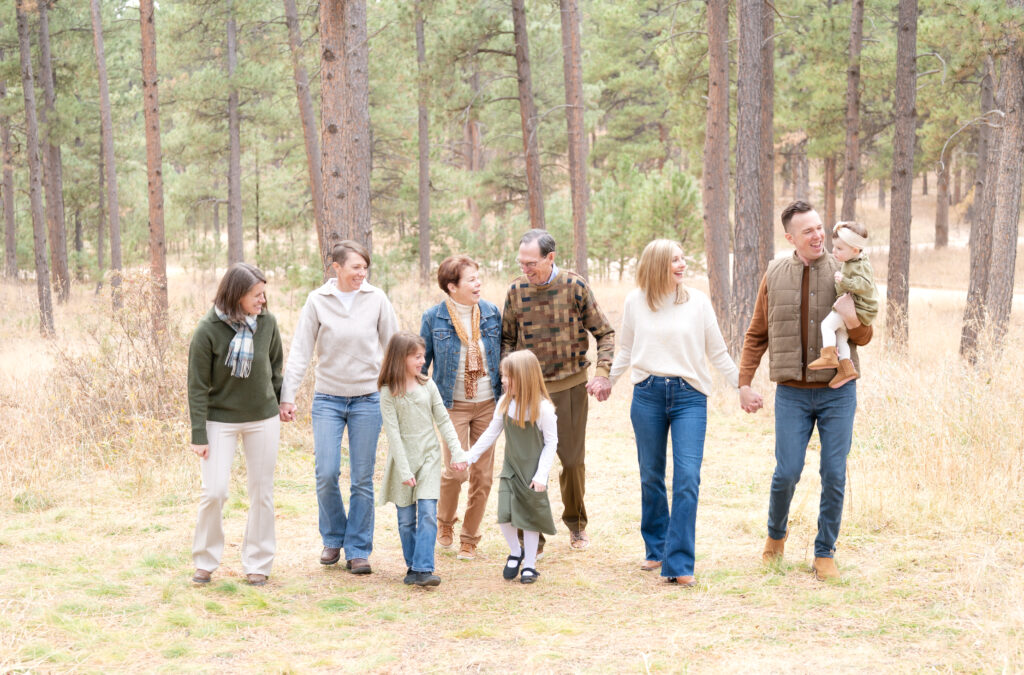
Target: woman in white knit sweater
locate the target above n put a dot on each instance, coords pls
(668, 334)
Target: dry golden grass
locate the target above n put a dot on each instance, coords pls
(98, 494)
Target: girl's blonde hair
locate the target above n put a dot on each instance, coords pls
(654, 274)
(392, 371)
(525, 386)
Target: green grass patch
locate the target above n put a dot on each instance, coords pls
(339, 604)
(30, 501)
(109, 590)
(160, 561)
(180, 618)
(176, 651)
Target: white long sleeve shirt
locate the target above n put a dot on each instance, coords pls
(675, 341)
(547, 421)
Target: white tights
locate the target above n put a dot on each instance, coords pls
(531, 539)
(833, 334)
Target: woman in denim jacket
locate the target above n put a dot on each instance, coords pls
(463, 336)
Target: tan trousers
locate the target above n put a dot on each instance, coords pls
(260, 441)
(470, 420)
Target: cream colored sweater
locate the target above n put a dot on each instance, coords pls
(675, 341)
(349, 342)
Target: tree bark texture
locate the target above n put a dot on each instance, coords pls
(748, 181)
(572, 61)
(236, 251)
(802, 182)
(881, 193)
(35, 177)
(898, 293)
(715, 181)
(942, 203)
(924, 183)
(107, 148)
(101, 216)
(528, 114)
(957, 182)
(345, 121)
(851, 176)
(52, 178)
(830, 199)
(422, 85)
(981, 225)
(310, 131)
(154, 171)
(10, 225)
(766, 172)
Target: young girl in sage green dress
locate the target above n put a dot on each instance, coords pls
(527, 416)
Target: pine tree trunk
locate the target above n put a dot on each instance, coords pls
(345, 121)
(766, 172)
(881, 193)
(528, 115)
(310, 131)
(851, 175)
(802, 182)
(422, 85)
(924, 183)
(473, 159)
(957, 178)
(154, 172)
(898, 294)
(35, 177)
(1006, 215)
(236, 252)
(52, 179)
(715, 182)
(10, 225)
(981, 227)
(101, 216)
(942, 204)
(107, 145)
(574, 108)
(830, 199)
(748, 181)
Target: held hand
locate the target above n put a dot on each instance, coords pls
(411, 482)
(839, 277)
(844, 308)
(202, 451)
(459, 466)
(538, 487)
(600, 388)
(287, 412)
(750, 400)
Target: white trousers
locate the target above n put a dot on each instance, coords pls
(260, 440)
(833, 334)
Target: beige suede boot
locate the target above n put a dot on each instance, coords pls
(824, 569)
(773, 549)
(844, 374)
(828, 359)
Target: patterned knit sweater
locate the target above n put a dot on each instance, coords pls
(552, 321)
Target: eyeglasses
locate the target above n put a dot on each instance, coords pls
(529, 266)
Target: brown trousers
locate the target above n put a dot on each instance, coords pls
(571, 406)
(470, 420)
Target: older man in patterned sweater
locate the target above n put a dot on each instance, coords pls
(550, 311)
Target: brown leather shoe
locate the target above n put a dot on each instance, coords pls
(650, 565)
(256, 579)
(445, 534)
(358, 566)
(685, 582)
(201, 577)
(329, 555)
(773, 549)
(467, 551)
(824, 569)
(844, 374)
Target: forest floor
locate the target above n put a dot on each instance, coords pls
(96, 530)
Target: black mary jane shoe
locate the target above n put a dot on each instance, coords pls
(510, 571)
(528, 576)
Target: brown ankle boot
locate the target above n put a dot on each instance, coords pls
(828, 359)
(773, 549)
(824, 569)
(844, 374)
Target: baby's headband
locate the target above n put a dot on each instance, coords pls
(843, 231)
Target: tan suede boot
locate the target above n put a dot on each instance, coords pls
(828, 359)
(773, 549)
(824, 569)
(844, 374)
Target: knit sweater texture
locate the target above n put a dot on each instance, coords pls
(552, 321)
(859, 281)
(213, 394)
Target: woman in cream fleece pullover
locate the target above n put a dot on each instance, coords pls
(669, 332)
(349, 323)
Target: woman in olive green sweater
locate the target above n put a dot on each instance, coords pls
(234, 388)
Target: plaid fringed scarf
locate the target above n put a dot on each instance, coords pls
(240, 353)
(471, 343)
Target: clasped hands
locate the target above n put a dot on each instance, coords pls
(600, 388)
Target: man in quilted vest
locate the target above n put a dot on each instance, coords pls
(796, 294)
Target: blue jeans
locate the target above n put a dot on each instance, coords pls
(362, 416)
(417, 528)
(796, 412)
(663, 405)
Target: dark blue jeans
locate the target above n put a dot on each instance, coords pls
(417, 529)
(796, 413)
(663, 405)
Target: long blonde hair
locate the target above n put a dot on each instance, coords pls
(392, 371)
(654, 274)
(525, 386)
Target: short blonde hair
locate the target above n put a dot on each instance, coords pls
(525, 386)
(654, 274)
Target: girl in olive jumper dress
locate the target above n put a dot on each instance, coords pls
(411, 405)
(527, 416)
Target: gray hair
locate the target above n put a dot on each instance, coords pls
(544, 240)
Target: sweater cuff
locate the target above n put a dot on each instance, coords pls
(199, 437)
(745, 379)
(602, 371)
